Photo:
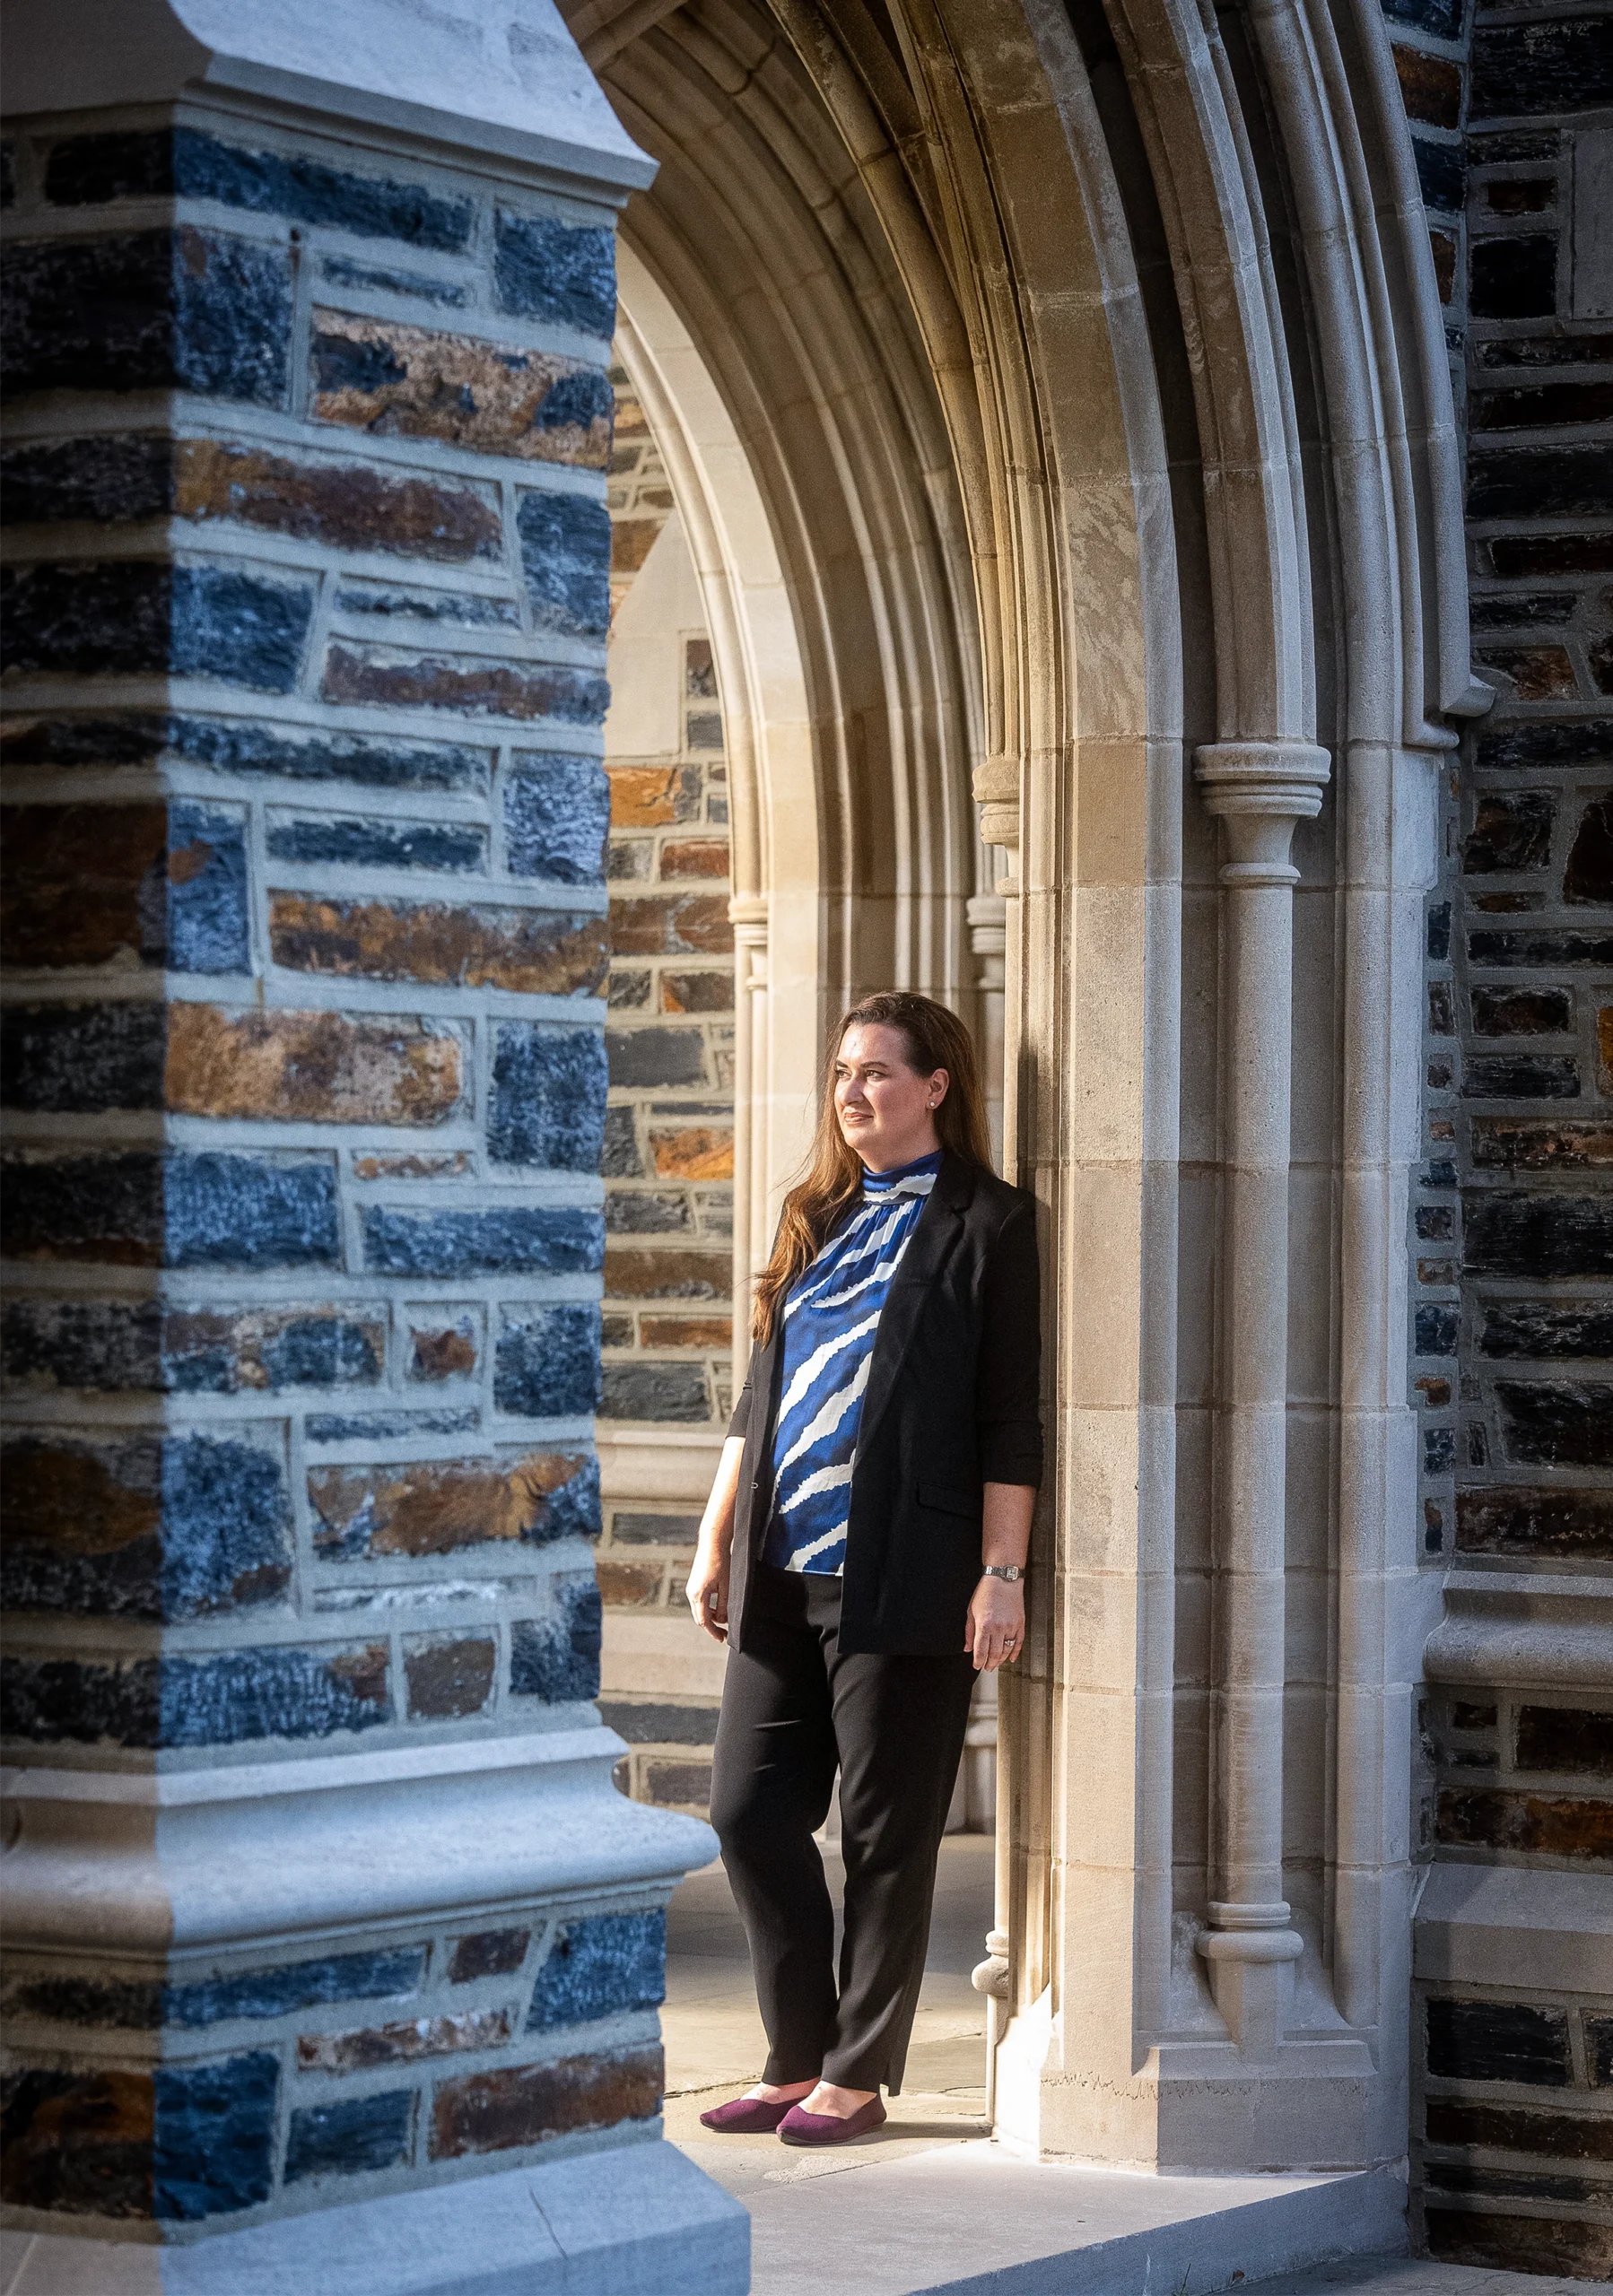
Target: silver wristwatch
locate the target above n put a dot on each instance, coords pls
(1009, 1570)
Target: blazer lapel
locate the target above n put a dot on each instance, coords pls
(934, 1241)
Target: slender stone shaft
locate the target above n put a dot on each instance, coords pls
(1258, 791)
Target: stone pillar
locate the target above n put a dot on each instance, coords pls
(753, 1235)
(1258, 789)
(335, 1955)
(987, 914)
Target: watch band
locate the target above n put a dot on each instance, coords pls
(1009, 1570)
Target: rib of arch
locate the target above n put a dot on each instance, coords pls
(1056, 397)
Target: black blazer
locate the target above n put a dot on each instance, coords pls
(952, 1404)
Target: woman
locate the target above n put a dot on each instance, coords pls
(863, 1549)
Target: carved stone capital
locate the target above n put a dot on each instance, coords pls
(1259, 789)
(997, 793)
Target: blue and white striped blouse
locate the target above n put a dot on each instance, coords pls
(831, 1317)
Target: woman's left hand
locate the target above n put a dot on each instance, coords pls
(994, 1630)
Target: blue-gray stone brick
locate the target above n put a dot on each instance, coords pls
(557, 1659)
(207, 929)
(620, 1158)
(556, 818)
(83, 1207)
(100, 480)
(524, 1241)
(548, 270)
(157, 1527)
(343, 272)
(565, 557)
(378, 844)
(388, 1426)
(546, 1107)
(213, 2146)
(79, 1059)
(185, 162)
(388, 603)
(103, 1345)
(546, 1365)
(657, 1058)
(249, 747)
(184, 310)
(599, 1968)
(147, 2004)
(246, 1211)
(134, 617)
(320, 1351)
(171, 1701)
(354, 2135)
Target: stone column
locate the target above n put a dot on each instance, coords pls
(335, 1955)
(752, 1236)
(987, 914)
(1258, 789)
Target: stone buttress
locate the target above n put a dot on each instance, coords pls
(334, 1956)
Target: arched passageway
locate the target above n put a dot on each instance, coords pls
(1081, 365)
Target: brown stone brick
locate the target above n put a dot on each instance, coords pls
(449, 1674)
(527, 949)
(677, 1785)
(1537, 672)
(81, 2144)
(451, 1163)
(1506, 1144)
(1430, 87)
(686, 1331)
(494, 2112)
(1561, 1524)
(1556, 2246)
(648, 1274)
(483, 395)
(698, 1151)
(442, 1348)
(671, 926)
(260, 1348)
(647, 796)
(390, 679)
(433, 1506)
(697, 992)
(403, 2044)
(312, 1067)
(1435, 1393)
(1565, 1738)
(1526, 557)
(1543, 1825)
(695, 856)
(1588, 875)
(488, 1952)
(629, 1586)
(350, 506)
(632, 541)
(71, 878)
(1518, 2129)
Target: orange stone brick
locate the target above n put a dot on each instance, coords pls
(483, 395)
(318, 1068)
(646, 1274)
(631, 1586)
(686, 1331)
(695, 856)
(647, 797)
(697, 992)
(672, 925)
(699, 1151)
(527, 949)
(489, 2112)
(432, 1505)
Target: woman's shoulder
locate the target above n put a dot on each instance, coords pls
(993, 1202)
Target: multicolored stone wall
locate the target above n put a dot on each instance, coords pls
(1514, 1240)
(669, 1128)
(305, 1075)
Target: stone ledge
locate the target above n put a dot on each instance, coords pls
(1500, 1925)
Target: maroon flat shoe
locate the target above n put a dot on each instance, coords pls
(797, 2127)
(745, 2117)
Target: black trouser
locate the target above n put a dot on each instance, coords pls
(793, 1707)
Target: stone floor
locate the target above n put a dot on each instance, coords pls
(918, 2207)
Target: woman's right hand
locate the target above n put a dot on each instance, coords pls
(708, 1594)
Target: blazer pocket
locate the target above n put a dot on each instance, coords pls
(949, 1502)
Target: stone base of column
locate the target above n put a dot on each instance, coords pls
(635, 2220)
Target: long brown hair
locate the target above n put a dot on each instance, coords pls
(934, 1038)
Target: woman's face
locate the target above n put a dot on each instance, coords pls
(887, 1110)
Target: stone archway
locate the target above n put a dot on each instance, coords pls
(1185, 435)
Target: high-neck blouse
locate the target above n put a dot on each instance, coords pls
(831, 1319)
